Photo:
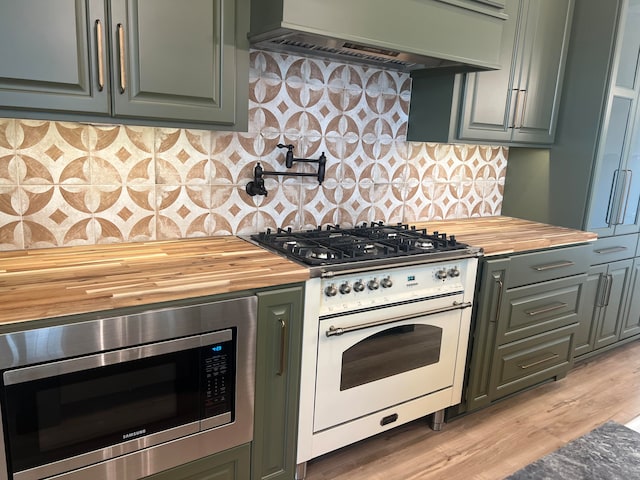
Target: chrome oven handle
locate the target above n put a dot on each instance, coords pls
(335, 331)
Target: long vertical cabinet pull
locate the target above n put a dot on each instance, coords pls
(612, 195)
(524, 106)
(121, 58)
(604, 290)
(500, 284)
(100, 46)
(283, 346)
(514, 120)
(624, 202)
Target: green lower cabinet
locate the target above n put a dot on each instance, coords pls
(278, 359)
(232, 464)
(631, 324)
(606, 292)
(489, 297)
(527, 309)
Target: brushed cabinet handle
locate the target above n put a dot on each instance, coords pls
(500, 284)
(626, 182)
(100, 46)
(283, 347)
(551, 266)
(533, 364)
(516, 109)
(608, 292)
(603, 290)
(524, 107)
(548, 308)
(614, 182)
(605, 251)
(123, 74)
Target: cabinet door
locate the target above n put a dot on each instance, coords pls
(49, 55)
(585, 335)
(488, 98)
(277, 384)
(612, 297)
(489, 299)
(606, 206)
(631, 325)
(627, 68)
(541, 55)
(232, 464)
(176, 60)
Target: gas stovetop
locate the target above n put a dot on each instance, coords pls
(366, 245)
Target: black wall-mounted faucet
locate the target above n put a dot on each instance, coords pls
(256, 186)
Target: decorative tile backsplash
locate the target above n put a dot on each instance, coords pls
(72, 184)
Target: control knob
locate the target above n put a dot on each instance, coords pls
(331, 290)
(373, 284)
(386, 282)
(454, 272)
(345, 288)
(358, 286)
(441, 274)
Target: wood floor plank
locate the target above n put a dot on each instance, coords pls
(495, 442)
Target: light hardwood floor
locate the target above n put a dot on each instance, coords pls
(493, 443)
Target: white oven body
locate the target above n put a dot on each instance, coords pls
(391, 356)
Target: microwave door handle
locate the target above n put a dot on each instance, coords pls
(61, 367)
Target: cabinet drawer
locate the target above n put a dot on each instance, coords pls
(612, 249)
(546, 265)
(524, 363)
(535, 309)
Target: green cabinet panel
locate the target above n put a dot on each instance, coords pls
(516, 105)
(631, 325)
(232, 464)
(527, 362)
(49, 55)
(607, 290)
(179, 59)
(482, 346)
(538, 308)
(155, 62)
(277, 383)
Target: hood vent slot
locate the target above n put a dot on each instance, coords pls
(346, 50)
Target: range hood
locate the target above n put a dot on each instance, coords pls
(403, 35)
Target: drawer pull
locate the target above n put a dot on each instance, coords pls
(121, 59)
(548, 308)
(604, 251)
(551, 266)
(533, 364)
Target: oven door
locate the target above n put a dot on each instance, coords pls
(372, 360)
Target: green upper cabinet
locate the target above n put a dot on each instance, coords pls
(139, 61)
(516, 105)
(46, 53)
(613, 203)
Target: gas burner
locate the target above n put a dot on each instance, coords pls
(319, 253)
(423, 244)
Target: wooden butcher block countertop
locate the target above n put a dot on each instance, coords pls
(56, 282)
(503, 235)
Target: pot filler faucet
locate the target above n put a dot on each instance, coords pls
(256, 186)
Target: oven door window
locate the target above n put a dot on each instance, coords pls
(390, 352)
(53, 418)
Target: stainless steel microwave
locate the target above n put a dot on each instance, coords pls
(125, 397)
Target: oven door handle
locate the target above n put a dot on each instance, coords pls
(334, 331)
